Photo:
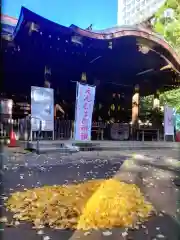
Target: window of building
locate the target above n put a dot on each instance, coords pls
(138, 8)
(129, 6)
(133, 2)
(133, 10)
(124, 16)
(124, 9)
(127, 2)
(127, 14)
(143, 3)
(124, 2)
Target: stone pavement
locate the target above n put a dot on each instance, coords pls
(15, 156)
(155, 178)
(152, 171)
(105, 143)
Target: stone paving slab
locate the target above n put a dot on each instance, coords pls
(158, 187)
(26, 177)
(156, 182)
(112, 144)
(11, 158)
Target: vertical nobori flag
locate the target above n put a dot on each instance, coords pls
(84, 108)
(169, 122)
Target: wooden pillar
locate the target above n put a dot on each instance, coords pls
(135, 112)
(135, 105)
(83, 77)
(47, 84)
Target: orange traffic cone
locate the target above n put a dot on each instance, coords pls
(12, 139)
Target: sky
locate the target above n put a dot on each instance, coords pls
(101, 13)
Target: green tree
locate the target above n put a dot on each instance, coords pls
(171, 98)
(166, 21)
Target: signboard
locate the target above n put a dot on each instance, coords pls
(6, 106)
(168, 121)
(42, 108)
(84, 109)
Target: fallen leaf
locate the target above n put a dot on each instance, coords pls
(107, 233)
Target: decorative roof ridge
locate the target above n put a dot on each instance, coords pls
(139, 31)
(8, 17)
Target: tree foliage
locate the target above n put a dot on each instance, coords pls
(167, 22)
(171, 98)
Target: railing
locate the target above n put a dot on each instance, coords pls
(63, 129)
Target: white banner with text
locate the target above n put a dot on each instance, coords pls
(84, 109)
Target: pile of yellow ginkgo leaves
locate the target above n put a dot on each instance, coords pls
(89, 205)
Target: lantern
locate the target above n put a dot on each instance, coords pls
(83, 77)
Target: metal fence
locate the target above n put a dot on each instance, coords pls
(63, 129)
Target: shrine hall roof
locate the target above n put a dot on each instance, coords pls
(122, 53)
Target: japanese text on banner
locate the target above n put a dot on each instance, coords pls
(84, 109)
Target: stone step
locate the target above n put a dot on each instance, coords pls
(58, 146)
(49, 148)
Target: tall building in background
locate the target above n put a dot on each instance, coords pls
(132, 12)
